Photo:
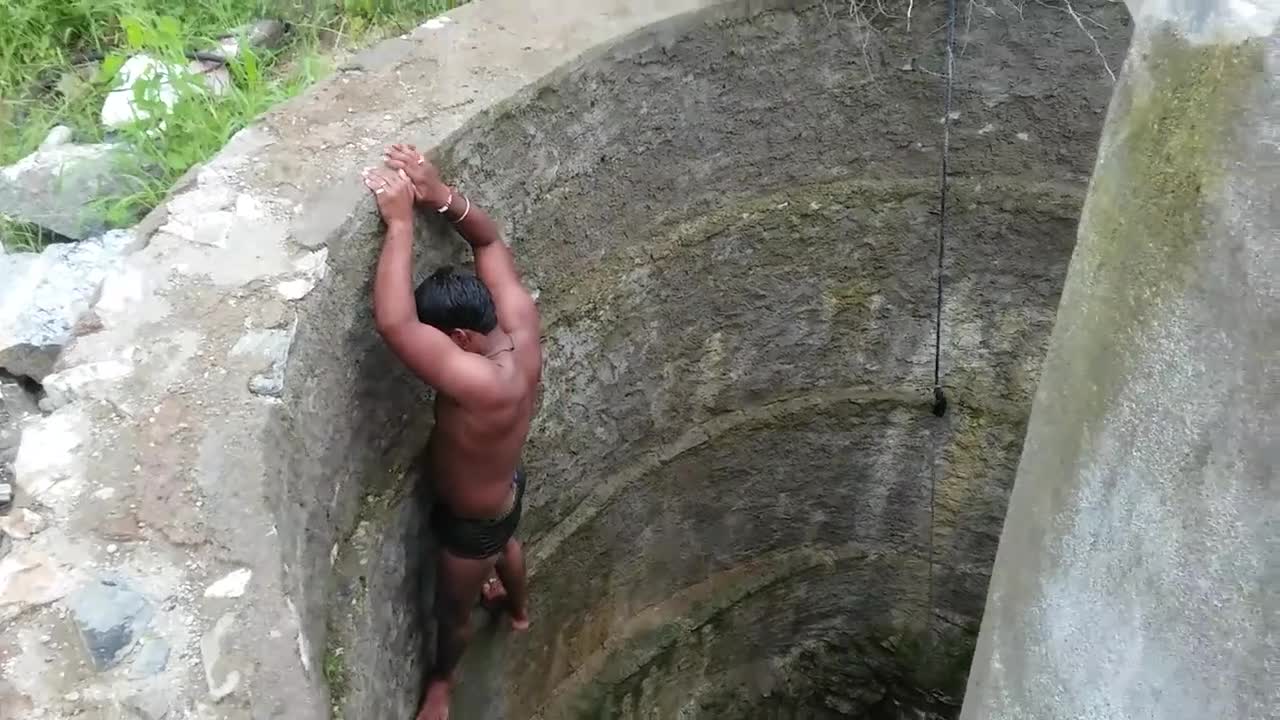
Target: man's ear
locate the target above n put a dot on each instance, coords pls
(460, 338)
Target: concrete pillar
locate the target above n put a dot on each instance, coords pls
(1137, 570)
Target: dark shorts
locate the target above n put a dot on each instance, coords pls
(478, 539)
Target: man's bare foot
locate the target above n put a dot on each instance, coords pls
(436, 705)
(494, 598)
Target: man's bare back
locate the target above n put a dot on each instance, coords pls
(474, 453)
(476, 340)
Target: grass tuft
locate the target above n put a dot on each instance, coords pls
(59, 60)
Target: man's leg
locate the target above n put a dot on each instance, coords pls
(512, 573)
(458, 582)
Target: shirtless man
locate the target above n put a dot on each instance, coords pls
(475, 339)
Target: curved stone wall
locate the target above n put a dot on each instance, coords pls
(728, 212)
(730, 222)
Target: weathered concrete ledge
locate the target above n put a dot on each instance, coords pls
(727, 216)
(1136, 574)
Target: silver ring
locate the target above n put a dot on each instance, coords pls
(380, 190)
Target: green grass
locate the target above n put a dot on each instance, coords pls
(23, 237)
(49, 75)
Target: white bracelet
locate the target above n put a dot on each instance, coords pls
(448, 204)
(464, 212)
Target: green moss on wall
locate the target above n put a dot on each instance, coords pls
(1158, 182)
(1166, 167)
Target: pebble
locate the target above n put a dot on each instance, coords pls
(109, 617)
(22, 524)
(152, 658)
(230, 586)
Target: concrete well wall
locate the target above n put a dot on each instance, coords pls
(729, 219)
(728, 213)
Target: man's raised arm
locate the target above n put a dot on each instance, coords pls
(495, 266)
(428, 352)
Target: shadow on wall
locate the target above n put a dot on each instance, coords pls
(730, 225)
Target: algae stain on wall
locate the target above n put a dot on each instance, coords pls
(1154, 180)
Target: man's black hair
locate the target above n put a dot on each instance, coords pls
(452, 300)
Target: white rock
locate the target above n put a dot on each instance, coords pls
(21, 524)
(60, 187)
(265, 34)
(272, 347)
(221, 682)
(120, 109)
(205, 197)
(313, 267)
(179, 228)
(295, 289)
(43, 296)
(30, 579)
(91, 380)
(212, 228)
(247, 207)
(120, 292)
(314, 264)
(231, 586)
(216, 76)
(59, 135)
(47, 462)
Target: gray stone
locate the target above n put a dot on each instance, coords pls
(221, 680)
(22, 523)
(16, 401)
(268, 34)
(58, 136)
(93, 379)
(150, 704)
(269, 383)
(10, 427)
(44, 295)
(60, 188)
(30, 579)
(272, 348)
(151, 659)
(109, 616)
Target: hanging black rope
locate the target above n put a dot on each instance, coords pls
(939, 397)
